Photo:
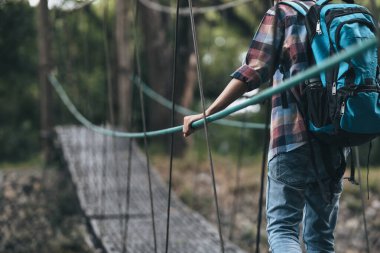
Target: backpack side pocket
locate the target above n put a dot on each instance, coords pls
(317, 104)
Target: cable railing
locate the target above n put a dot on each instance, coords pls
(196, 10)
(184, 111)
(258, 98)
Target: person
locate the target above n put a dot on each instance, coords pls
(295, 188)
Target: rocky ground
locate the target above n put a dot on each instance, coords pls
(39, 211)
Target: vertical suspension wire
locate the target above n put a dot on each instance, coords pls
(262, 175)
(356, 150)
(129, 173)
(57, 40)
(200, 85)
(142, 107)
(194, 203)
(267, 133)
(368, 159)
(236, 189)
(104, 182)
(88, 156)
(235, 202)
(174, 80)
(130, 148)
(73, 77)
(108, 65)
(195, 183)
(127, 200)
(128, 186)
(98, 170)
(111, 114)
(105, 166)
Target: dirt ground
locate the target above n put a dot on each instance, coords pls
(39, 211)
(239, 205)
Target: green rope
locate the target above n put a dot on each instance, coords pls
(287, 84)
(184, 111)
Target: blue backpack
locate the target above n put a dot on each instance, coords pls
(342, 105)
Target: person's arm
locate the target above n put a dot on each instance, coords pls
(255, 71)
(233, 91)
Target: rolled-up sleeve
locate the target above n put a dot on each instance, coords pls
(256, 69)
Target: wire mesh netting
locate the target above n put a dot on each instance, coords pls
(99, 169)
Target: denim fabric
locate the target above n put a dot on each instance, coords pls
(294, 196)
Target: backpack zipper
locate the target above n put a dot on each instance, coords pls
(318, 30)
(333, 88)
(342, 108)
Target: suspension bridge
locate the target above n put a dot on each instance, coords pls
(111, 176)
(126, 203)
(113, 193)
(98, 75)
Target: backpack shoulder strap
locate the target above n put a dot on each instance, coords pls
(302, 9)
(298, 6)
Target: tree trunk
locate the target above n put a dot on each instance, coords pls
(45, 65)
(158, 56)
(123, 69)
(190, 82)
(186, 78)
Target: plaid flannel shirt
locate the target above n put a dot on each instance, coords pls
(288, 130)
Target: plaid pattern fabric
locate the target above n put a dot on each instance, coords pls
(288, 130)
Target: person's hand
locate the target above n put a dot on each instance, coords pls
(187, 129)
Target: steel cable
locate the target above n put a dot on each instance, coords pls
(200, 85)
(196, 10)
(356, 151)
(143, 116)
(174, 79)
(235, 202)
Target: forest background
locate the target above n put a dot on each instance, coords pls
(96, 49)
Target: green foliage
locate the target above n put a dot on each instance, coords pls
(18, 82)
(78, 50)
(78, 53)
(222, 48)
(33, 162)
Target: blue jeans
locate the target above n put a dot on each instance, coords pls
(294, 196)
